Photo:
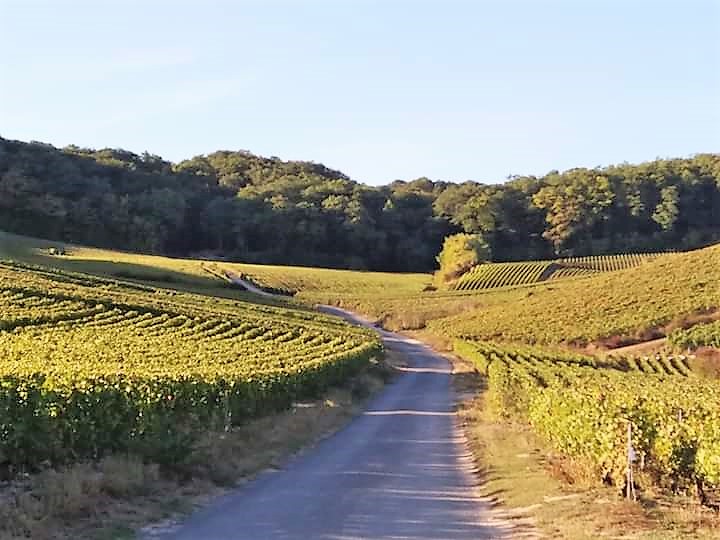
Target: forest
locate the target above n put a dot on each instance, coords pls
(243, 207)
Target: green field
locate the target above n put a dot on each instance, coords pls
(174, 272)
(613, 308)
(493, 275)
(94, 366)
(628, 305)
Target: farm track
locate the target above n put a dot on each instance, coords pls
(399, 470)
(250, 287)
(638, 348)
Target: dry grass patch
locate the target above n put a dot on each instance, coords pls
(440, 344)
(706, 362)
(416, 315)
(62, 503)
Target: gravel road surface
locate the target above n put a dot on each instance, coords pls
(397, 471)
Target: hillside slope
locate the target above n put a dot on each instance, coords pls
(269, 211)
(492, 275)
(623, 306)
(192, 273)
(92, 365)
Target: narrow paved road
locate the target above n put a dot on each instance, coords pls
(398, 471)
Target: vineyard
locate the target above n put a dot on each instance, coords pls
(702, 335)
(93, 365)
(582, 408)
(492, 275)
(659, 364)
(100, 364)
(622, 307)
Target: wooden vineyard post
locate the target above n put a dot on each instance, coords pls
(630, 482)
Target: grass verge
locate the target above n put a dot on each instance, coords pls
(113, 498)
(544, 495)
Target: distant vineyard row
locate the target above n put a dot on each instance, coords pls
(92, 366)
(491, 275)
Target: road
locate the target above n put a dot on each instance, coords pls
(249, 287)
(397, 471)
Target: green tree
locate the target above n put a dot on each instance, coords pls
(573, 202)
(666, 212)
(267, 210)
(460, 252)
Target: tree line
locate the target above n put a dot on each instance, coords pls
(266, 210)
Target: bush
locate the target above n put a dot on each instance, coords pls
(459, 254)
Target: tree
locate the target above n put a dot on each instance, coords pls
(451, 203)
(267, 210)
(666, 212)
(218, 223)
(460, 252)
(574, 202)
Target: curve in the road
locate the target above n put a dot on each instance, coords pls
(249, 287)
(398, 471)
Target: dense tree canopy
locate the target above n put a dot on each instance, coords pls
(256, 209)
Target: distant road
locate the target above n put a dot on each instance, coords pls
(248, 286)
(397, 471)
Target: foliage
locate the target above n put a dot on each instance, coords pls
(233, 204)
(573, 203)
(702, 335)
(265, 210)
(658, 363)
(460, 253)
(93, 366)
(582, 408)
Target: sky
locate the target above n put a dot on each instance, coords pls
(379, 89)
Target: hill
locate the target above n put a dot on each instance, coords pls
(109, 352)
(94, 365)
(609, 309)
(492, 275)
(201, 275)
(606, 310)
(243, 207)
(229, 204)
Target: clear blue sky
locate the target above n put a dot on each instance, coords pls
(381, 89)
